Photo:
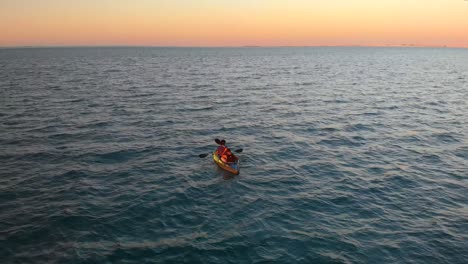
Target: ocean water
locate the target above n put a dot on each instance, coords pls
(351, 155)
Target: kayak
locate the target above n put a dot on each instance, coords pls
(233, 167)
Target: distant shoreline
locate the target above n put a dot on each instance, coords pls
(245, 46)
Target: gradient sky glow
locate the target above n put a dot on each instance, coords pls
(233, 23)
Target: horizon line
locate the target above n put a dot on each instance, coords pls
(234, 46)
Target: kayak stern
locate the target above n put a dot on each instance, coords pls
(233, 168)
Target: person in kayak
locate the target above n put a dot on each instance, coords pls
(224, 152)
(227, 156)
(221, 148)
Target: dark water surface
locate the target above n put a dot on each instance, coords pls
(351, 155)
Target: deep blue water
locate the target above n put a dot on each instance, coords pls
(351, 155)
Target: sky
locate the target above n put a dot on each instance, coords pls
(234, 23)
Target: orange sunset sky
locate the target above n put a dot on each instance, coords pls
(233, 23)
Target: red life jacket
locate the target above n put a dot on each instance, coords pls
(227, 155)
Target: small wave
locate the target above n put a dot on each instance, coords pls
(462, 152)
(164, 85)
(202, 96)
(446, 138)
(358, 127)
(412, 138)
(329, 129)
(119, 155)
(61, 136)
(402, 181)
(393, 107)
(112, 70)
(304, 83)
(32, 156)
(141, 95)
(194, 109)
(431, 158)
(54, 87)
(179, 241)
(12, 142)
(11, 123)
(340, 142)
(435, 103)
(92, 105)
(336, 101)
(342, 200)
(371, 113)
(358, 138)
(241, 78)
(198, 86)
(67, 101)
(98, 124)
(73, 174)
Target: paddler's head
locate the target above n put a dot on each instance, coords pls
(223, 142)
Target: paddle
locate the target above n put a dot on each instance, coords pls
(206, 154)
(219, 143)
(238, 150)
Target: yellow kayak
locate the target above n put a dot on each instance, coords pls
(232, 167)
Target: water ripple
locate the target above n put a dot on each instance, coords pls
(351, 155)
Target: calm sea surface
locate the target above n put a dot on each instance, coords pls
(351, 155)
